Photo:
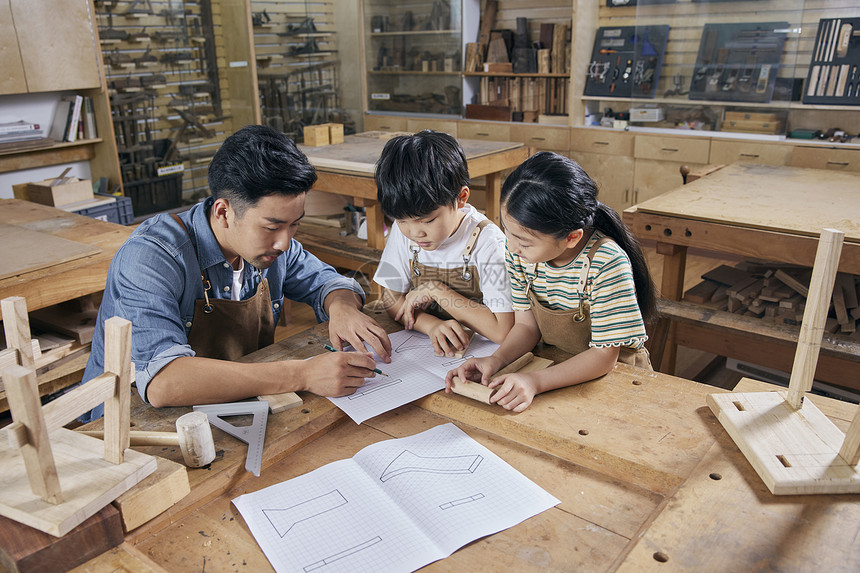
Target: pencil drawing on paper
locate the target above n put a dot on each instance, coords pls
(341, 554)
(461, 501)
(370, 389)
(414, 341)
(283, 520)
(407, 462)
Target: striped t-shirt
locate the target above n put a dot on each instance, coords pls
(615, 316)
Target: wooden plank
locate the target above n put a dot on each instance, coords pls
(26, 250)
(815, 314)
(153, 495)
(794, 450)
(703, 518)
(773, 198)
(23, 548)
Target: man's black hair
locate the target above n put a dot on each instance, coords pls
(257, 161)
(417, 174)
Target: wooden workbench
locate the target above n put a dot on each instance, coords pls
(764, 212)
(69, 280)
(62, 282)
(647, 477)
(348, 169)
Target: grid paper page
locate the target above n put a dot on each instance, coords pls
(414, 372)
(397, 505)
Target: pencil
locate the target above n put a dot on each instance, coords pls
(333, 349)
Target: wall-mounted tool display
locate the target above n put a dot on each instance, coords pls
(738, 62)
(834, 72)
(626, 61)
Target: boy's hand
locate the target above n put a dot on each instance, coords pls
(514, 392)
(447, 337)
(474, 370)
(417, 299)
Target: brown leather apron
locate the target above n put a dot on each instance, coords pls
(229, 329)
(464, 280)
(570, 329)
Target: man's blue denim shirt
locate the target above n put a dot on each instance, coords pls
(154, 279)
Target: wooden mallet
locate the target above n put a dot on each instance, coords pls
(193, 436)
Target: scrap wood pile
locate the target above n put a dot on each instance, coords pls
(776, 293)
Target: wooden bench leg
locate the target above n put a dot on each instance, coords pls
(672, 288)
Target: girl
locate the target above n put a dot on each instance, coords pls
(578, 279)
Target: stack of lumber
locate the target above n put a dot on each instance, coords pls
(776, 293)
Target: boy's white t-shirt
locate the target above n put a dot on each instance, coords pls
(488, 256)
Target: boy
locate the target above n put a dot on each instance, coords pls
(443, 267)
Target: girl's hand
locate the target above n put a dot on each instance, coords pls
(474, 370)
(447, 337)
(514, 392)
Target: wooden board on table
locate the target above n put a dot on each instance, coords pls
(793, 451)
(87, 481)
(359, 154)
(767, 197)
(154, 494)
(25, 250)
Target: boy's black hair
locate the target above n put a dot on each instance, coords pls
(417, 174)
(553, 195)
(257, 161)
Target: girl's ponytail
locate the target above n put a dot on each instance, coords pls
(607, 221)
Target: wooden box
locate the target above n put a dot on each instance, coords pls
(335, 133)
(323, 134)
(316, 135)
(73, 190)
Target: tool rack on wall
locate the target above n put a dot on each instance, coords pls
(297, 66)
(165, 94)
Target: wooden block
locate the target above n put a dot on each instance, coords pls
(831, 325)
(498, 68)
(528, 362)
(544, 62)
(121, 559)
(793, 451)
(559, 42)
(471, 60)
(57, 195)
(702, 292)
(153, 495)
(79, 325)
(792, 282)
(24, 548)
(849, 291)
(721, 294)
(488, 112)
(726, 275)
(335, 133)
(791, 303)
(316, 135)
(839, 305)
(748, 293)
(460, 353)
(281, 402)
(497, 53)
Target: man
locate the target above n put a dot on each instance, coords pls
(206, 287)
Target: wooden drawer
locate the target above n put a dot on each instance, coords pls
(685, 149)
(484, 131)
(448, 126)
(726, 152)
(542, 137)
(826, 158)
(384, 123)
(601, 141)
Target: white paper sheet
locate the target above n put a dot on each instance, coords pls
(397, 505)
(414, 372)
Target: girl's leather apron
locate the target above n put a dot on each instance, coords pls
(464, 280)
(229, 329)
(570, 329)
